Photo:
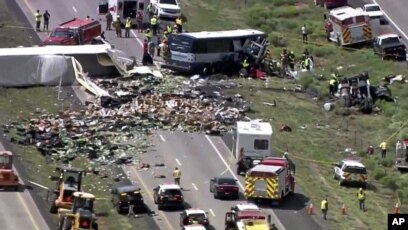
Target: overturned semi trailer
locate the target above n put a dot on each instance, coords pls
(97, 60)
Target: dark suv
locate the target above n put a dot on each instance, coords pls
(125, 195)
(168, 195)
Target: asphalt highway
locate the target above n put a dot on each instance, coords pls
(19, 211)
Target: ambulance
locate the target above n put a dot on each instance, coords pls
(347, 26)
(123, 9)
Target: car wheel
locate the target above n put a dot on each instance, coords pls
(159, 207)
(211, 189)
(215, 195)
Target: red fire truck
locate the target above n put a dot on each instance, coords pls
(74, 32)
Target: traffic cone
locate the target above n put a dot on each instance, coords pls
(343, 210)
(310, 209)
(396, 208)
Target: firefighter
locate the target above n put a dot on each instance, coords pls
(37, 16)
(383, 147)
(131, 207)
(117, 25)
(179, 24)
(150, 10)
(109, 19)
(291, 59)
(176, 176)
(139, 20)
(154, 24)
(324, 206)
(46, 17)
(128, 26)
(361, 196)
(284, 59)
(370, 150)
(148, 34)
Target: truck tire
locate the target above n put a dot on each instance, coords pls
(61, 222)
(53, 206)
(159, 207)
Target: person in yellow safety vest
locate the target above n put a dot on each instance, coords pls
(333, 85)
(324, 206)
(361, 196)
(179, 24)
(176, 176)
(291, 59)
(37, 16)
(150, 10)
(148, 34)
(128, 26)
(383, 147)
(245, 64)
(305, 63)
(154, 24)
(169, 29)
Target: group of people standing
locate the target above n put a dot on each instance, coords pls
(38, 17)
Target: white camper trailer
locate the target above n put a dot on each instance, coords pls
(254, 138)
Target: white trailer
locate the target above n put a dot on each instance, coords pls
(253, 138)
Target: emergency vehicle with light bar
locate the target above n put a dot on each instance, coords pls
(272, 180)
(347, 26)
(74, 32)
(246, 216)
(350, 171)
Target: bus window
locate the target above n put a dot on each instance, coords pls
(180, 44)
(199, 47)
(219, 46)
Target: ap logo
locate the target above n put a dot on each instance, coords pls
(397, 221)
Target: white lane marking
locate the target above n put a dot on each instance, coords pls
(225, 171)
(178, 162)
(395, 24)
(162, 138)
(280, 225)
(212, 212)
(141, 44)
(73, 7)
(195, 187)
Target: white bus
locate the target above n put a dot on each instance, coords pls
(192, 52)
(123, 8)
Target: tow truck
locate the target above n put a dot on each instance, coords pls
(246, 216)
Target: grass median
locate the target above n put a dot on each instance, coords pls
(318, 138)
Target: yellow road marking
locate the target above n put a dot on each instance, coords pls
(28, 212)
(150, 195)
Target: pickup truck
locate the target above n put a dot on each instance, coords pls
(166, 8)
(373, 10)
(390, 46)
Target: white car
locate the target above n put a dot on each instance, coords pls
(349, 171)
(373, 10)
(166, 8)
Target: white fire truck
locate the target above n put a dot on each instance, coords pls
(346, 26)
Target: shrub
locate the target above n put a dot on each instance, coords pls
(285, 12)
(389, 182)
(370, 163)
(388, 108)
(379, 173)
(257, 15)
(323, 51)
(277, 40)
(386, 162)
(306, 81)
(284, 2)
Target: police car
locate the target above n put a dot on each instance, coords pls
(168, 195)
(189, 216)
(350, 171)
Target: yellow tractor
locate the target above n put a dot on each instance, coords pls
(81, 216)
(68, 182)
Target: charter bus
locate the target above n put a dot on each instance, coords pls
(192, 52)
(123, 8)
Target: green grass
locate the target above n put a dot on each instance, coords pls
(318, 138)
